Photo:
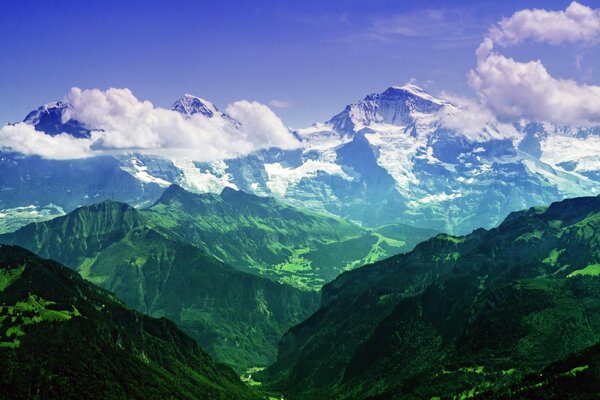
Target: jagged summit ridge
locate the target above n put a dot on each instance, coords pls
(189, 105)
(411, 89)
(397, 105)
(421, 170)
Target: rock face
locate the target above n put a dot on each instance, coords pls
(387, 158)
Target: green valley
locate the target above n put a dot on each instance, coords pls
(236, 316)
(263, 235)
(173, 260)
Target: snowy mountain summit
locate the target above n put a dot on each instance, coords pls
(398, 105)
(51, 118)
(190, 105)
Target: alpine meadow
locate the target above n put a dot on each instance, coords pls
(381, 200)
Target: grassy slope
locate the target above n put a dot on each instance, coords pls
(61, 337)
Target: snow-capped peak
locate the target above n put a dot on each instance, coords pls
(53, 119)
(190, 104)
(54, 107)
(397, 105)
(413, 90)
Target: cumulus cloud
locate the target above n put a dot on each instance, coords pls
(466, 116)
(576, 24)
(513, 89)
(121, 122)
(261, 125)
(473, 120)
(23, 138)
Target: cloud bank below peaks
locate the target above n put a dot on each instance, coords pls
(513, 89)
(121, 122)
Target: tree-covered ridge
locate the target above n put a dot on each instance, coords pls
(69, 339)
(456, 316)
(575, 377)
(236, 316)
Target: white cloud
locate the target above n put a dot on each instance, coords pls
(122, 122)
(513, 89)
(473, 120)
(279, 103)
(23, 138)
(466, 116)
(261, 125)
(576, 24)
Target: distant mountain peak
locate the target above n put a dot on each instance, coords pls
(231, 194)
(34, 117)
(173, 191)
(397, 105)
(51, 118)
(413, 90)
(189, 105)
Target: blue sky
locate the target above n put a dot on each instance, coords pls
(315, 56)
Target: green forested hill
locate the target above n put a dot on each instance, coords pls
(236, 316)
(64, 338)
(457, 316)
(263, 235)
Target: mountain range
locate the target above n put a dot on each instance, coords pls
(510, 312)
(236, 316)
(208, 262)
(389, 158)
(266, 236)
(400, 252)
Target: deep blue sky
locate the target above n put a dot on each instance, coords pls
(316, 55)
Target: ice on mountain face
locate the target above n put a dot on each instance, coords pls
(204, 182)
(584, 153)
(416, 91)
(281, 178)
(568, 183)
(434, 198)
(183, 172)
(321, 136)
(396, 148)
(313, 164)
(140, 171)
